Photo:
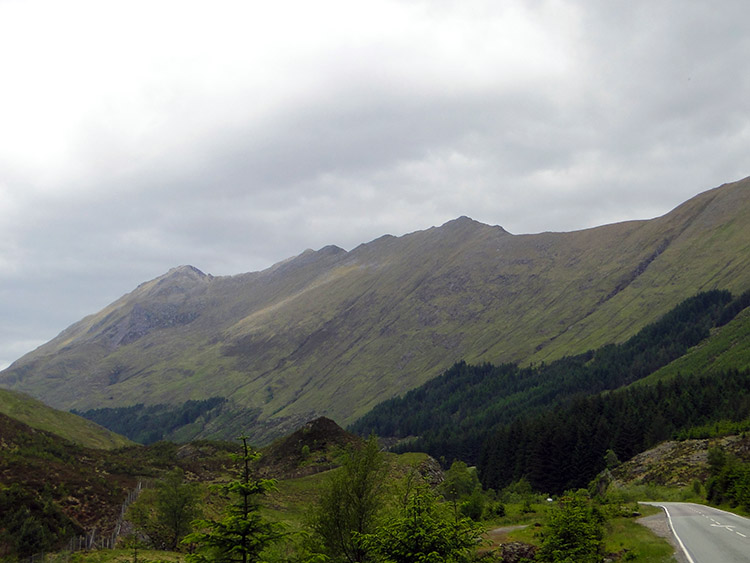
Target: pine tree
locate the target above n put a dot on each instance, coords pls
(242, 534)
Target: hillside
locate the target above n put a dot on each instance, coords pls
(552, 423)
(728, 347)
(52, 489)
(311, 449)
(678, 463)
(73, 428)
(333, 333)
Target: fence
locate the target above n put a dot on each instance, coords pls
(92, 539)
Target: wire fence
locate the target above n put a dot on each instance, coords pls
(92, 539)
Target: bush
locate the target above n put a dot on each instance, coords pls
(574, 533)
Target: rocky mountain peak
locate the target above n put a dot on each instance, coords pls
(464, 223)
(186, 272)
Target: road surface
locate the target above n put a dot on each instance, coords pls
(708, 535)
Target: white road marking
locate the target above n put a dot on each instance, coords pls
(679, 541)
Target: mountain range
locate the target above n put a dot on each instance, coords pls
(334, 332)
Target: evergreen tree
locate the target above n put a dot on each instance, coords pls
(242, 534)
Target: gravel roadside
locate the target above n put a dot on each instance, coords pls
(659, 524)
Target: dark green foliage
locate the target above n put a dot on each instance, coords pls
(423, 531)
(165, 513)
(149, 424)
(455, 413)
(496, 509)
(242, 534)
(573, 533)
(729, 481)
(537, 422)
(459, 481)
(461, 487)
(611, 460)
(350, 503)
(473, 505)
(714, 429)
(176, 506)
(30, 523)
(61, 489)
(565, 448)
(733, 309)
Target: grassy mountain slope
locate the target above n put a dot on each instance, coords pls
(453, 413)
(73, 428)
(728, 347)
(334, 332)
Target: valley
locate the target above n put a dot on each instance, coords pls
(372, 323)
(595, 369)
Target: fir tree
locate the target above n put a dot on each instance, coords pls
(242, 534)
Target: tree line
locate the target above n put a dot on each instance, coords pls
(729, 481)
(565, 448)
(363, 513)
(147, 424)
(455, 415)
(357, 517)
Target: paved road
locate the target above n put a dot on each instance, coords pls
(708, 535)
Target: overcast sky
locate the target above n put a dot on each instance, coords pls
(140, 135)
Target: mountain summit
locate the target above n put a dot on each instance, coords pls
(332, 332)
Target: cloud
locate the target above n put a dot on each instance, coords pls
(142, 135)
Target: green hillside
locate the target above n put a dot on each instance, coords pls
(557, 425)
(73, 428)
(333, 333)
(452, 415)
(728, 348)
(52, 489)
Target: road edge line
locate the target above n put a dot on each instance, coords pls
(674, 532)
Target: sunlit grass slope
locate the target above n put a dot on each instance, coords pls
(64, 424)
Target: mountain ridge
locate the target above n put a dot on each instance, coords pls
(333, 332)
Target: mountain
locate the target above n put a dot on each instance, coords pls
(72, 428)
(333, 333)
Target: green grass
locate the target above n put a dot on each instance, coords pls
(623, 536)
(635, 542)
(64, 424)
(727, 348)
(123, 556)
(291, 504)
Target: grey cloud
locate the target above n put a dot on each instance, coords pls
(652, 108)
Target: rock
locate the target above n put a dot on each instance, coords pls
(515, 552)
